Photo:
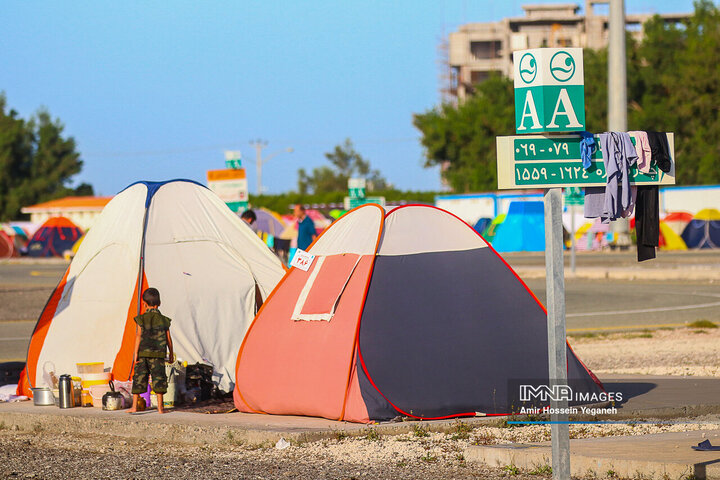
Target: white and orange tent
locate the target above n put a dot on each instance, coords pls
(406, 313)
(211, 269)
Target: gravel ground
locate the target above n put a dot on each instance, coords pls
(681, 351)
(418, 455)
(52, 455)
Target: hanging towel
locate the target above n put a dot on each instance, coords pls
(594, 201)
(587, 148)
(647, 221)
(644, 153)
(618, 155)
(660, 150)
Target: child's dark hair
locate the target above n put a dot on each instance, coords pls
(151, 296)
(249, 216)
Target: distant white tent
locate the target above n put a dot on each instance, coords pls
(211, 269)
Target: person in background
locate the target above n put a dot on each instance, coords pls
(152, 342)
(306, 228)
(249, 216)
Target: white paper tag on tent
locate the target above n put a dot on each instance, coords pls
(302, 260)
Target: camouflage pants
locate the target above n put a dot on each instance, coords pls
(149, 367)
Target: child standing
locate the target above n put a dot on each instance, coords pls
(152, 340)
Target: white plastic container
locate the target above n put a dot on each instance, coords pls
(97, 392)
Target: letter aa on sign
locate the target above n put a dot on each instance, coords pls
(529, 110)
(569, 111)
(549, 90)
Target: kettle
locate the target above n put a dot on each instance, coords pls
(113, 400)
(65, 390)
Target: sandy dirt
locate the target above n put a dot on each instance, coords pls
(680, 351)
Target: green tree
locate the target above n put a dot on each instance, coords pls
(346, 163)
(596, 84)
(36, 161)
(673, 85)
(680, 90)
(462, 139)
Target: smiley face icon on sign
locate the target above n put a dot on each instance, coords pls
(562, 66)
(528, 68)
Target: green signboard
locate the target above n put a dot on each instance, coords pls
(574, 196)
(351, 203)
(546, 161)
(549, 90)
(233, 159)
(237, 207)
(235, 164)
(357, 192)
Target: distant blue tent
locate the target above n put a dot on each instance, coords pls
(523, 229)
(482, 224)
(703, 231)
(53, 238)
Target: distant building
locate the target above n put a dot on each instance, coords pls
(477, 49)
(82, 211)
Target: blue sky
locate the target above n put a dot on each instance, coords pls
(157, 90)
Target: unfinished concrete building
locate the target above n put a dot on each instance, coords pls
(477, 49)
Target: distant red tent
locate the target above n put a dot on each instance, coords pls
(320, 221)
(54, 237)
(7, 248)
(667, 239)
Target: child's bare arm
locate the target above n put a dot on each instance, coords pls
(137, 343)
(170, 346)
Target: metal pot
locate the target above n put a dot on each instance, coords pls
(65, 389)
(113, 400)
(43, 396)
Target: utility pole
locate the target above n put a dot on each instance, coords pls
(259, 161)
(259, 145)
(617, 94)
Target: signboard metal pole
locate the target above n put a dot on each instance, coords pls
(617, 95)
(572, 238)
(557, 349)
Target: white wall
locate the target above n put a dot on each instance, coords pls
(473, 206)
(689, 199)
(469, 207)
(82, 218)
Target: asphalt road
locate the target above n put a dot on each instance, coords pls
(24, 290)
(590, 305)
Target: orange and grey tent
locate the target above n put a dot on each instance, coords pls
(405, 313)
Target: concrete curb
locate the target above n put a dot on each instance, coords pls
(662, 456)
(205, 429)
(620, 273)
(35, 261)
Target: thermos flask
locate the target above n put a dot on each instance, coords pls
(65, 391)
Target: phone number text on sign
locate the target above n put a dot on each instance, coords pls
(564, 172)
(535, 150)
(547, 161)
